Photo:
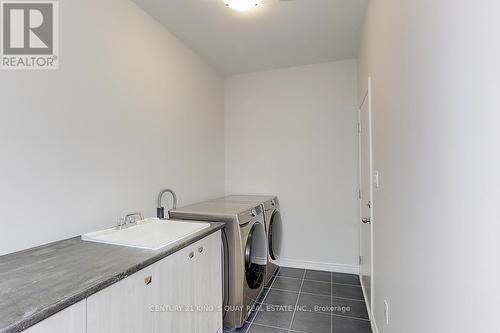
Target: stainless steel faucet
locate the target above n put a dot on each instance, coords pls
(160, 210)
(129, 220)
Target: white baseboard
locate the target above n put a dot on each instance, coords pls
(320, 266)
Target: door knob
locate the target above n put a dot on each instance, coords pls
(366, 220)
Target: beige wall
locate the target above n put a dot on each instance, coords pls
(292, 132)
(131, 110)
(435, 69)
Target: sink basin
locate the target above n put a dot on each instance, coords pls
(149, 234)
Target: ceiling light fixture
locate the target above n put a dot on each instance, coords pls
(241, 5)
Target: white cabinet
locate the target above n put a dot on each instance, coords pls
(176, 293)
(191, 289)
(208, 285)
(181, 293)
(125, 307)
(71, 319)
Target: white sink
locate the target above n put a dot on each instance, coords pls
(149, 234)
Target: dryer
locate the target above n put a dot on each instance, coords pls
(271, 207)
(244, 253)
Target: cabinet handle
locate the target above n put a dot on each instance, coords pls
(148, 280)
(191, 255)
(200, 249)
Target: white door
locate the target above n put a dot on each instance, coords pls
(366, 196)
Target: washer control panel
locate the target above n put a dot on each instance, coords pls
(249, 215)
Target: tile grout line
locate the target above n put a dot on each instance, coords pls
(311, 311)
(263, 298)
(342, 284)
(279, 328)
(307, 293)
(276, 275)
(297, 301)
(349, 317)
(296, 331)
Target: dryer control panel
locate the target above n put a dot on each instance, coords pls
(271, 204)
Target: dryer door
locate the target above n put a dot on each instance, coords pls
(255, 256)
(274, 233)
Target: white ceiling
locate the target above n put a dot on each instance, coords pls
(274, 35)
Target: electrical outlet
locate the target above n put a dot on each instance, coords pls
(386, 312)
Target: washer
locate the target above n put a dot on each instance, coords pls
(244, 253)
(271, 207)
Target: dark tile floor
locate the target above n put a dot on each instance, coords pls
(308, 301)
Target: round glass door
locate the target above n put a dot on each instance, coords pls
(255, 256)
(274, 235)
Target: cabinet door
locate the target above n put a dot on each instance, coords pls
(190, 291)
(176, 293)
(208, 284)
(71, 319)
(126, 306)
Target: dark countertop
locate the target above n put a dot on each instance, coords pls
(39, 282)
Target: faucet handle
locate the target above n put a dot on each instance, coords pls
(120, 222)
(132, 218)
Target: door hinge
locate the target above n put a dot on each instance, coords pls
(359, 194)
(360, 261)
(358, 127)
